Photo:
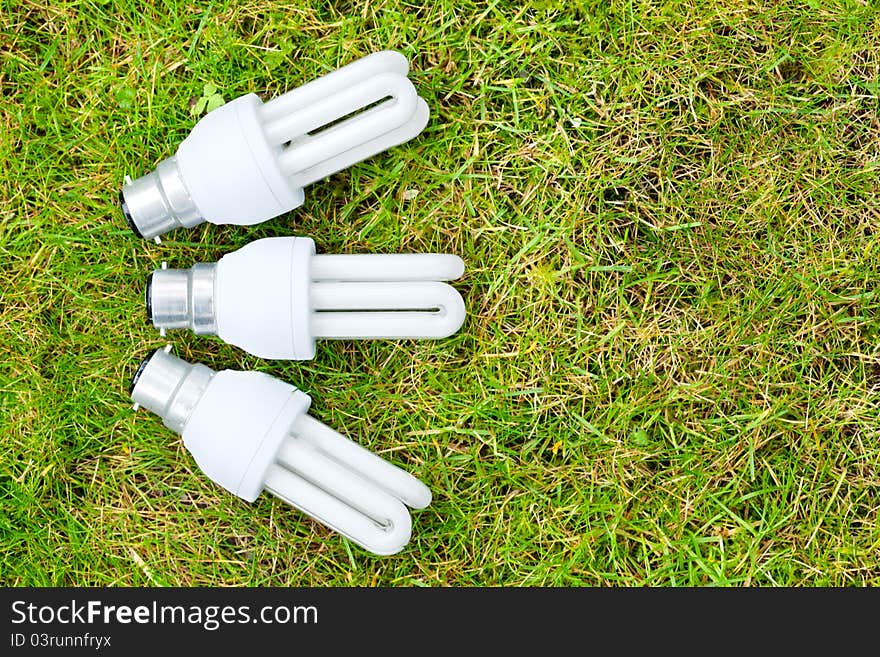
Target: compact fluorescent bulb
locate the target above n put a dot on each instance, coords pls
(248, 161)
(275, 297)
(251, 432)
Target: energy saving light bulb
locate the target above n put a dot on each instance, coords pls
(250, 432)
(248, 161)
(274, 297)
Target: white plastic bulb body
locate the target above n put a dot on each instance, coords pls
(275, 297)
(248, 161)
(250, 432)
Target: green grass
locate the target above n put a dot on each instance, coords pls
(669, 373)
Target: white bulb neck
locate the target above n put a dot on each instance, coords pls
(263, 298)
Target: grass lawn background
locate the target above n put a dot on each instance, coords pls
(669, 372)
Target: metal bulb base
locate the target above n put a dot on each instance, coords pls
(169, 387)
(183, 298)
(158, 202)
